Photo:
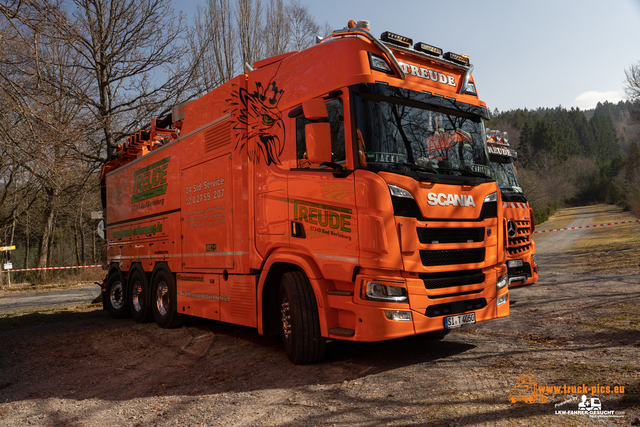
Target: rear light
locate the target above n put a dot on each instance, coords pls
(396, 39)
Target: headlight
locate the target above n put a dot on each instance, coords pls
(379, 292)
(534, 259)
(399, 192)
(493, 197)
(502, 299)
(502, 282)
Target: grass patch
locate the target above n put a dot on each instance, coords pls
(624, 317)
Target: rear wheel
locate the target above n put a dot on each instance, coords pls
(301, 336)
(115, 297)
(138, 297)
(164, 304)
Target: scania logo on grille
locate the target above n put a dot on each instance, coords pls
(512, 230)
(450, 200)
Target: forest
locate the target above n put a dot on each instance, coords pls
(573, 157)
(78, 76)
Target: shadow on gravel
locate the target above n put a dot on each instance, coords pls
(89, 355)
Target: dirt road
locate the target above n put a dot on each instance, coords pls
(577, 326)
(68, 297)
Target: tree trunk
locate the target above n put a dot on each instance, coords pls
(77, 239)
(44, 248)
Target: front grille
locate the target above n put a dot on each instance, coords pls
(452, 256)
(517, 241)
(455, 307)
(458, 294)
(450, 235)
(451, 279)
(518, 250)
(403, 206)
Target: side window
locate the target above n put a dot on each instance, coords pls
(336, 120)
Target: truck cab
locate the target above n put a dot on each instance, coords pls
(340, 192)
(521, 249)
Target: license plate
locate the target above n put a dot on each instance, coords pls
(515, 263)
(459, 320)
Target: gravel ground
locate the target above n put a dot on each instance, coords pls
(79, 367)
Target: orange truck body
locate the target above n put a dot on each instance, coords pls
(521, 249)
(216, 204)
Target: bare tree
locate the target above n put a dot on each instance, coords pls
(302, 27)
(632, 89)
(249, 28)
(227, 34)
(130, 48)
(212, 46)
(276, 29)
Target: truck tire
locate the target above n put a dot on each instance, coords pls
(301, 336)
(115, 298)
(139, 297)
(163, 301)
(436, 335)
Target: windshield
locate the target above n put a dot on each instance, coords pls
(504, 172)
(399, 130)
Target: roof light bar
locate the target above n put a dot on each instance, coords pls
(396, 39)
(428, 49)
(460, 59)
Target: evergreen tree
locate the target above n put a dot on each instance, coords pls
(605, 142)
(524, 148)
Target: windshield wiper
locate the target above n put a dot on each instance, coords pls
(410, 166)
(471, 172)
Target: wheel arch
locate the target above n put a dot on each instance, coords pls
(276, 265)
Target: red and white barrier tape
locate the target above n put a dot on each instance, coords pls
(55, 268)
(586, 226)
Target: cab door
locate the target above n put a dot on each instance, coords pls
(321, 210)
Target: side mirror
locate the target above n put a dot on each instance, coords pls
(315, 109)
(318, 136)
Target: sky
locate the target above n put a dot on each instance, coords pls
(542, 53)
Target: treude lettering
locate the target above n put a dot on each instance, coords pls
(322, 217)
(425, 73)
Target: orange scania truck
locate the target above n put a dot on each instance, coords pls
(521, 249)
(339, 192)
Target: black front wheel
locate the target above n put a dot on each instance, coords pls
(115, 297)
(163, 301)
(301, 336)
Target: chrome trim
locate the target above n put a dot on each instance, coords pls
(443, 61)
(517, 279)
(366, 34)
